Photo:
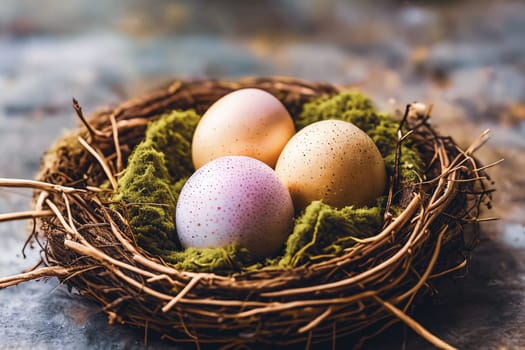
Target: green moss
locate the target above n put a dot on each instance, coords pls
(150, 202)
(161, 164)
(324, 232)
(157, 169)
(172, 136)
(223, 260)
(350, 106)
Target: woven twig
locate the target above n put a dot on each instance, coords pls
(361, 292)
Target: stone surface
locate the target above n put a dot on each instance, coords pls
(466, 57)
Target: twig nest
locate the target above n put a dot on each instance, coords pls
(345, 272)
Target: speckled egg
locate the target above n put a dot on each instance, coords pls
(247, 122)
(334, 161)
(235, 199)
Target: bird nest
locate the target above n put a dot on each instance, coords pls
(368, 287)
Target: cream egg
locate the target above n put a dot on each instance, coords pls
(248, 122)
(235, 199)
(333, 161)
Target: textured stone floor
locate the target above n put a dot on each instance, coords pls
(466, 57)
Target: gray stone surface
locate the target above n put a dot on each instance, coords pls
(466, 57)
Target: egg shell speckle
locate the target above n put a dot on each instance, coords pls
(235, 199)
(249, 122)
(334, 161)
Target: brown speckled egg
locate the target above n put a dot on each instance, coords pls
(333, 161)
(247, 122)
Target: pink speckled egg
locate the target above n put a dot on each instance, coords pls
(235, 199)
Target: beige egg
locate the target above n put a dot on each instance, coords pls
(246, 122)
(334, 161)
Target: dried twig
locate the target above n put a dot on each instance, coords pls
(31, 214)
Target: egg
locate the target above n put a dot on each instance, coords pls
(248, 122)
(333, 161)
(235, 199)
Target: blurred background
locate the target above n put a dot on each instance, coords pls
(465, 57)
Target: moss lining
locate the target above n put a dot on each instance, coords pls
(149, 187)
(323, 231)
(161, 164)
